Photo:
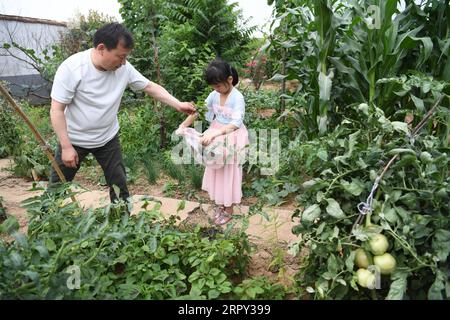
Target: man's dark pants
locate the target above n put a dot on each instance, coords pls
(110, 159)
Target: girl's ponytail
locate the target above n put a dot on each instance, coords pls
(235, 75)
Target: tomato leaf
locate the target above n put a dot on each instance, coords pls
(334, 210)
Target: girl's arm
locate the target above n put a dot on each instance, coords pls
(189, 120)
(209, 137)
(238, 117)
(224, 130)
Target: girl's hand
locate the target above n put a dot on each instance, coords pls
(180, 130)
(208, 138)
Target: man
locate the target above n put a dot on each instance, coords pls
(86, 96)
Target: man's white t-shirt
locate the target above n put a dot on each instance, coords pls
(92, 98)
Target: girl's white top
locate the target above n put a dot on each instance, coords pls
(232, 111)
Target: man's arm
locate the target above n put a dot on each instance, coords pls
(159, 93)
(68, 154)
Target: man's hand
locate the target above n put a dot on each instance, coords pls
(159, 93)
(186, 107)
(69, 157)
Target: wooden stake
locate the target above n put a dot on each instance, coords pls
(43, 144)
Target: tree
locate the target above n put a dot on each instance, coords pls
(144, 19)
(217, 23)
(175, 41)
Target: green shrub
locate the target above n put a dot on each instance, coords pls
(118, 256)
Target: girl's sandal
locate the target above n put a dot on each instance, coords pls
(218, 210)
(224, 218)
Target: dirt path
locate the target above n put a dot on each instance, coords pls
(270, 238)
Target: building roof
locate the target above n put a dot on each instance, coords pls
(32, 20)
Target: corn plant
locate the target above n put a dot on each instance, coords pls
(339, 56)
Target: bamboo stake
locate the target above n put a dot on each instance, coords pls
(43, 144)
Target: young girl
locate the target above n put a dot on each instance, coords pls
(227, 133)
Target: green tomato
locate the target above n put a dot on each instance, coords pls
(442, 193)
(361, 258)
(371, 281)
(378, 244)
(365, 278)
(386, 263)
(426, 157)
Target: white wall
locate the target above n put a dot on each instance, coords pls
(36, 36)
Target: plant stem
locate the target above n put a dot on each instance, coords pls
(412, 190)
(55, 266)
(95, 253)
(406, 246)
(338, 177)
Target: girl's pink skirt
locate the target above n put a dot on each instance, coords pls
(223, 182)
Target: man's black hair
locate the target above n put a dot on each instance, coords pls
(113, 33)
